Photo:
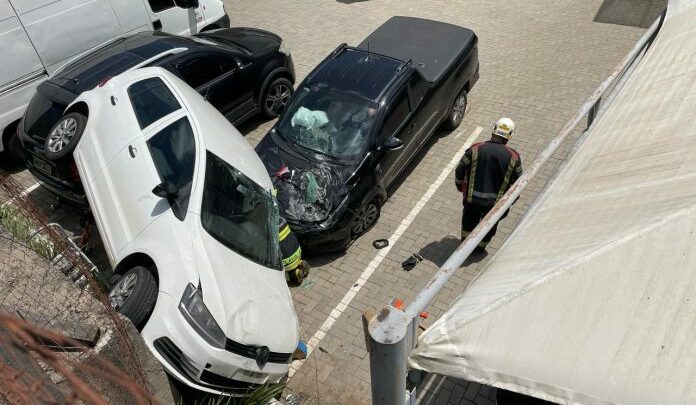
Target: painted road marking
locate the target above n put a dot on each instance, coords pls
(22, 194)
(377, 260)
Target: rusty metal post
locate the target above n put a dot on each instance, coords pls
(390, 333)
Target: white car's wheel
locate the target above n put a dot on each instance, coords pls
(134, 295)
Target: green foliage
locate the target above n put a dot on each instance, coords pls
(23, 229)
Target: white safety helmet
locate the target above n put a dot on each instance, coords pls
(504, 128)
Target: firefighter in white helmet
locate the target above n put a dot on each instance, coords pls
(484, 174)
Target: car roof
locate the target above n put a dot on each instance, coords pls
(214, 131)
(431, 46)
(118, 56)
(355, 71)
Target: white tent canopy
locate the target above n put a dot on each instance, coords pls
(592, 300)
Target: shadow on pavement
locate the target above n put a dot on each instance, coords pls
(439, 251)
(322, 259)
(634, 13)
(251, 124)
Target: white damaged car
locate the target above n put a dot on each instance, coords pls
(185, 211)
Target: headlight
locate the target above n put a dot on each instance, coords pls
(284, 49)
(195, 312)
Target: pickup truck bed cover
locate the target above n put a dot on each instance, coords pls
(432, 46)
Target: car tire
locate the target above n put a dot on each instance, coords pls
(276, 97)
(134, 295)
(365, 217)
(14, 151)
(64, 136)
(456, 112)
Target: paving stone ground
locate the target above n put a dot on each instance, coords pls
(539, 61)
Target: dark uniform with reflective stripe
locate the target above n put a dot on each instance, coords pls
(290, 248)
(483, 175)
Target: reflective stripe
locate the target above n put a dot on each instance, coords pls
(284, 232)
(472, 173)
(291, 263)
(506, 180)
(484, 195)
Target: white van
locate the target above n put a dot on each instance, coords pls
(37, 37)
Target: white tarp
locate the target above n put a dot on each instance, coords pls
(592, 300)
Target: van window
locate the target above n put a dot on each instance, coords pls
(160, 5)
(201, 69)
(396, 115)
(173, 151)
(151, 100)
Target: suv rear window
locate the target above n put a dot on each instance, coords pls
(151, 100)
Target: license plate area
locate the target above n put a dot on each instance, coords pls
(43, 166)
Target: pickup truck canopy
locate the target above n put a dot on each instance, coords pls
(432, 46)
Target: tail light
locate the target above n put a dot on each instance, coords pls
(74, 174)
(104, 81)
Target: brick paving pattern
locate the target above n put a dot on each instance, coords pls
(539, 62)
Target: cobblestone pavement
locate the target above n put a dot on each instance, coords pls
(539, 62)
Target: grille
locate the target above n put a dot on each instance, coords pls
(250, 352)
(176, 358)
(226, 383)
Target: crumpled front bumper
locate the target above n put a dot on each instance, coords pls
(190, 359)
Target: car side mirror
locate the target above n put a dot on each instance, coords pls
(393, 143)
(166, 189)
(186, 3)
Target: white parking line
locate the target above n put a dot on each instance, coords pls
(377, 260)
(25, 192)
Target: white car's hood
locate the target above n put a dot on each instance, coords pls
(251, 303)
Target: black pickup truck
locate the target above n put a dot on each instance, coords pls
(358, 119)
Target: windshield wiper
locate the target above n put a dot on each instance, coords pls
(276, 135)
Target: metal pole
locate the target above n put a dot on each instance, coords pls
(389, 349)
(389, 334)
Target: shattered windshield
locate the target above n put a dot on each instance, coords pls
(331, 123)
(240, 214)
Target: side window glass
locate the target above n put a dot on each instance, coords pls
(396, 115)
(160, 5)
(204, 68)
(151, 100)
(173, 152)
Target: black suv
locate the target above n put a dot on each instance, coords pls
(359, 118)
(240, 71)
